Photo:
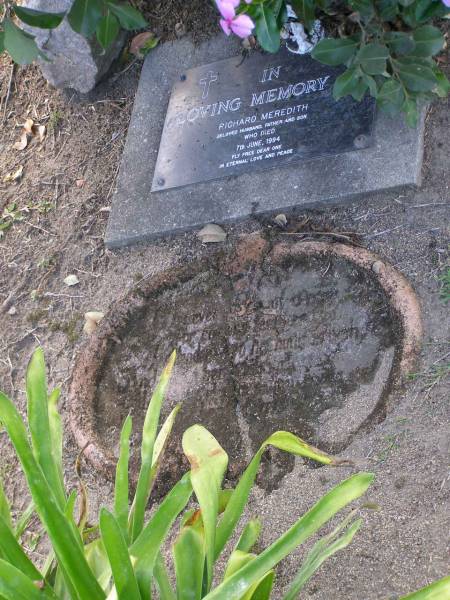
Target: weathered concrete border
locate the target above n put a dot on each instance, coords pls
(252, 251)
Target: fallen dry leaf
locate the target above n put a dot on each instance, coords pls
(40, 132)
(142, 43)
(28, 125)
(281, 220)
(80, 182)
(92, 319)
(71, 280)
(212, 234)
(14, 175)
(23, 142)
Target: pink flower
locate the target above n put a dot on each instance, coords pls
(241, 25)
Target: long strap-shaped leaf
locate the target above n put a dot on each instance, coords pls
(13, 553)
(439, 590)
(58, 527)
(145, 550)
(38, 420)
(208, 462)
(5, 510)
(146, 474)
(189, 558)
(321, 551)
(282, 440)
(121, 487)
(162, 580)
(314, 519)
(119, 559)
(14, 585)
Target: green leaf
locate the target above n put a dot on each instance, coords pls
(11, 550)
(266, 28)
(145, 549)
(119, 559)
(208, 462)
(189, 559)
(304, 9)
(23, 521)
(162, 580)
(321, 551)
(264, 588)
(107, 30)
(411, 113)
(372, 58)
(14, 585)
(428, 41)
(399, 42)
(439, 590)
(365, 9)
(121, 486)
(84, 16)
(391, 97)
(38, 18)
(307, 525)
(2, 41)
(334, 52)
(5, 510)
(416, 77)
(443, 84)
(58, 526)
(99, 564)
(424, 10)
(346, 83)
(20, 45)
(128, 16)
(39, 425)
(56, 435)
(163, 436)
(237, 560)
(146, 474)
(282, 440)
(387, 9)
(249, 536)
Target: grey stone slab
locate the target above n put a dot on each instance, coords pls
(137, 215)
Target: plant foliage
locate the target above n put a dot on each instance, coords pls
(101, 19)
(121, 557)
(124, 559)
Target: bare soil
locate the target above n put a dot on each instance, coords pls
(61, 208)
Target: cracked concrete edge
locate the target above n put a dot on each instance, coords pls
(251, 250)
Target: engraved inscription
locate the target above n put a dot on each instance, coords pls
(236, 116)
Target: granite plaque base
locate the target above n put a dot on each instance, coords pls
(137, 214)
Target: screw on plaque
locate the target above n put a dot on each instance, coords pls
(361, 141)
(182, 77)
(161, 181)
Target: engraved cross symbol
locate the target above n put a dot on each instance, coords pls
(206, 82)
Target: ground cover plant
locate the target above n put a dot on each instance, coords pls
(121, 556)
(388, 48)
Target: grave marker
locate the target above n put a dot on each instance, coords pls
(240, 115)
(334, 151)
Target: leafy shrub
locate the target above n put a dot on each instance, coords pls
(120, 558)
(386, 46)
(100, 18)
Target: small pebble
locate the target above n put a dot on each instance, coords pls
(377, 266)
(12, 311)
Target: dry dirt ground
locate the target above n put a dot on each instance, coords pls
(57, 225)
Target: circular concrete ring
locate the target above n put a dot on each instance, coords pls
(251, 251)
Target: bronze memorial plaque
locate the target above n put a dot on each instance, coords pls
(257, 112)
